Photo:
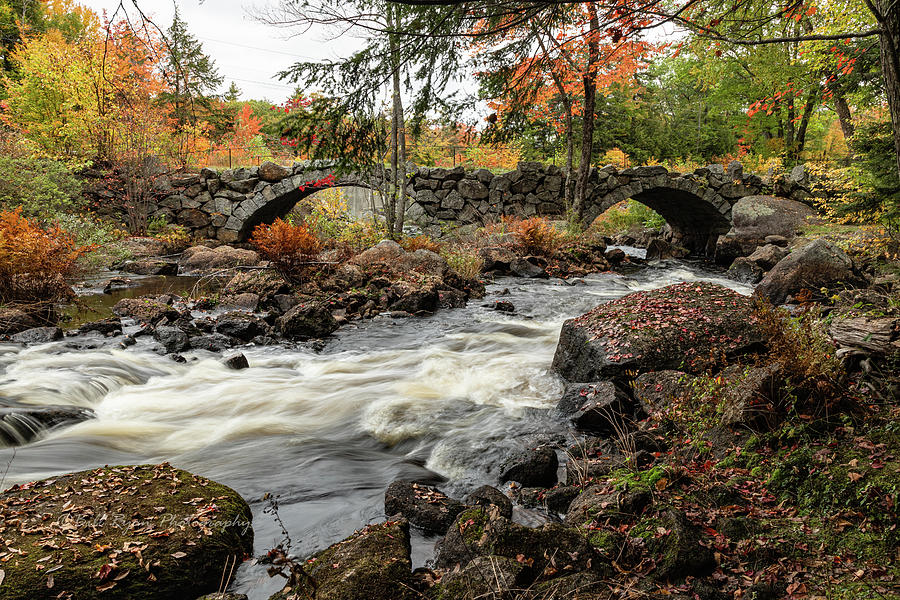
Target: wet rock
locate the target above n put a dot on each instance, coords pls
(285, 302)
(185, 563)
(372, 564)
(556, 499)
(266, 285)
(482, 532)
(819, 264)
(117, 283)
(777, 240)
(535, 467)
(147, 309)
(106, 327)
(522, 267)
(504, 306)
(237, 362)
(38, 335)
(597, 504)
(659, 249)
(615, 255)
(423, 300)
(203, 259)
(423, 506)
(223, 596)
(23, 424)
(488, 495)
(496, 259)
(748, 395)
(241, 326)
(172, 338)
(307, 321)
(745, 270)
(150, 266)
(451, 299)
(596, 407)
(213, 342)
(246, 301)
(687, 325)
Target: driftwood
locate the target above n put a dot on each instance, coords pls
(880, 335)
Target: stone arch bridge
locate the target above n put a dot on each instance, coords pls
(227, 205)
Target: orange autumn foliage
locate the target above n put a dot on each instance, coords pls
(420, 242)
(35, 262)
(289, 247)
(535, 235)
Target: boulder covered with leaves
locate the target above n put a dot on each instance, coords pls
(687, 326)
(131, 532)
(373, 563)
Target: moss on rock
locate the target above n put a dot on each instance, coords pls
(128, 532)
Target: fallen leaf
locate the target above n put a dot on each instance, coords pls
(179, 555)
(854, 476)
(106, 586)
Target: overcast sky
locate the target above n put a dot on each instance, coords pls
(246, 51)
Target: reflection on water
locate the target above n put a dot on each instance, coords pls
(439, 397)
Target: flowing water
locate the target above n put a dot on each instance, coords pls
(441, 398)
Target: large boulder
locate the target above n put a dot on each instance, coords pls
(14, 320)
(372, 564)
(202, 259)
(38, 335)
(148, 532)
(677, 545)
(426, 507)
(819, 264)
(148, 309)
(304, 321)
(686, 325)
(753, 218)
(598, 504)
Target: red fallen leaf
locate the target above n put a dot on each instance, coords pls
(105, 571)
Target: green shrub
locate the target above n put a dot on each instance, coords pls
(41, 187)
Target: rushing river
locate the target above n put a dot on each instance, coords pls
(441, 398)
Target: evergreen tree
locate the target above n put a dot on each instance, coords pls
(233, 94)
(192, 74)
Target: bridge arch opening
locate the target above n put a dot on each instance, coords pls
(355, 195)
(695, 221)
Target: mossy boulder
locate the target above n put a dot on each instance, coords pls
(372, 564)
(488, 495)
(674, 543)
(687, 326)
(600, 504)
(424, 506)
(130, 532)
(549, 551)
(484, 577)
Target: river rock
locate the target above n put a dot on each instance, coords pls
(745, 270)
(106, 327)
(557, 498)
(678, 552)
(615, 256)
(522, 267)
(767, 256)
(686, 325)
(162, 533)
(504, 306)
(22, 424)
(14, 320)
(172, 338)
(819, 264)
(531, 467)
(753, 218)
(749, 395)
(372, 564)
(600, 407)
(236, 362)
(202, 259)
(496, 259)
(150, 266)
(38, 335)
(482, 531)
(241, 326)
(424, 506)
(147, 309)
(310, 320)
(488, 495)
(213, 342)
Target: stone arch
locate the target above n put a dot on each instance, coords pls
(280, 204)
(696, 213)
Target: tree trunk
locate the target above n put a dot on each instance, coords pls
(888, 15)
(800, 142)
(568, 190)
(587, 129)
(391, 212)
(401, 139)
(789, 127)
(845, 117)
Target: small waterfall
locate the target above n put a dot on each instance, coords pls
(22, 425)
